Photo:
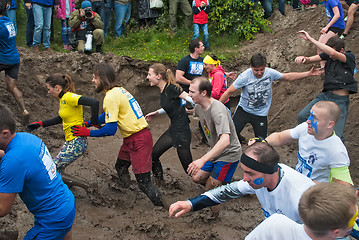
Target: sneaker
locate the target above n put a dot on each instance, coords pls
(343, 36)
(48, 49)
(346, 19)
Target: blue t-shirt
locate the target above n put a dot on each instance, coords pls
(329, 5)
(256, 96)
(8, 51)
(28, 169)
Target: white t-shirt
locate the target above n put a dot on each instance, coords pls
(278, 227)
(317, 157)
(283, 199)
(256, 96)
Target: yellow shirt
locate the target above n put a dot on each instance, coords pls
(71, 113)
(121, 107)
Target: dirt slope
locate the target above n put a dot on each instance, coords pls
(113, 212)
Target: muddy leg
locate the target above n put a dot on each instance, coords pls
(146, 186)
(122, 172)
(11, 87)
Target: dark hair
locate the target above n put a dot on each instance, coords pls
(264, 153)
(7, 120)
(203, 85)
(193, 44)
(3, 4)
(64, 81)
(107, 76)
(258, 60)
(336, 43)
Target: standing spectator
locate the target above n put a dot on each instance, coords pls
(108, 16)
(146, 15)
(83, 22)
(42, 10)
(122, 13)
(267, 6)
(66, 7)
(27, 169)
(186, 9)
(11, 13)
(200, 10)
(98, 6)
(10, 59)
(30, 25)
(339, 79)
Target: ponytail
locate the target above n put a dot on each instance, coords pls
(63, 81)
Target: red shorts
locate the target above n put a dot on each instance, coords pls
(137, 148)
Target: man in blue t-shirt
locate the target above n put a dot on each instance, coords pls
(27, 169)
(10, 59)
(256, 97)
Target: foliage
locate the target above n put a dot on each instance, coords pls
(242, 18)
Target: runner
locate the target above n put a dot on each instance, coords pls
(179, 133)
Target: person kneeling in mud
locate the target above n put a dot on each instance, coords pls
(123, 111)
(87, 29)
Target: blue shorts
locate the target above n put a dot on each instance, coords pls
(222, 171)
(38, 232)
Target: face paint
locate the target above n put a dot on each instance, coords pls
(258, 181)
(312, 123)
(352, 220)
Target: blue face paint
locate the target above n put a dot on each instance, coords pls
(258, 181)
(313, 124)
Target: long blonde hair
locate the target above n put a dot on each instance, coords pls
(166, 74)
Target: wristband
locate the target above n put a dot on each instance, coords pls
(161, 111)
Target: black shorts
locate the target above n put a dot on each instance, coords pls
(339, 31)
(11, 70)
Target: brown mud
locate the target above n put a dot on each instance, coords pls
(114, 212)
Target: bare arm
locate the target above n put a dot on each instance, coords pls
(299, 75)
(227, 94)
(181, 79)
(341, 182)
(180, 206)
(6, 202)
(279, 138)
(333, 54)
(218, 148)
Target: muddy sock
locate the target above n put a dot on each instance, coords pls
(146, 186)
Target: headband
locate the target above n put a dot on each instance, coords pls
(210, 60)
(257, 166)
(352, 220)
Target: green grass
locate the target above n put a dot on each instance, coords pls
(147, 44)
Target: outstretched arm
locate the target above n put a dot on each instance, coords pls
(227, 94)
(279, 138)
(335, 55)
(94, 104)
(299, 75)
(6, 202)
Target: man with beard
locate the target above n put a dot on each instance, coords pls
(123, 111)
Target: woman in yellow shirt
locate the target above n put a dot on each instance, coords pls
(70, 114)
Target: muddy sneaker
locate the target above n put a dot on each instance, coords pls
(48, 49)
(25, 117)
(343, 36)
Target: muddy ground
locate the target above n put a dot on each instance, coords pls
(113, 212)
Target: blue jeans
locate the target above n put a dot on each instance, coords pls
(99, 7)
(204, 28)
(267, 6)
(42, 19)
(66, 30)
(341, 101)
(11, 13)
(122, 12)
(30, 25)
(108, 15)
